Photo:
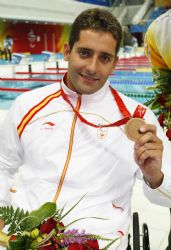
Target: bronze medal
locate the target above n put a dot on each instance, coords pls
(132, 128)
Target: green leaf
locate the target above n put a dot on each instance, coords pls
(73, 206)
(36, 217)
(97, 218)
(12, 218)
(110, 244)
(48, 236)
(18, 244)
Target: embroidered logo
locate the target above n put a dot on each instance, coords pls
(48, 125)
(102, 132)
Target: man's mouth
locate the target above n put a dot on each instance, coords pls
(89, 78)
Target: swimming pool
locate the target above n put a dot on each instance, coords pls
(127, 79)
(130, 84)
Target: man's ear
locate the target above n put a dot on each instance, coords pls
(67, 51)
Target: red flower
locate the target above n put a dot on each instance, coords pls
(48, 226)
(92, 245)
(75, 246)
(13, 237)
(161, 120)
(161, 99)
(168, 134)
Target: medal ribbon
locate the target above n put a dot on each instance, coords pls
(139, 111)
(121, 107)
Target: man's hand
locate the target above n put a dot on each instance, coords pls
(148, 151)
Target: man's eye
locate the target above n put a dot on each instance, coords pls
(105, 58)
(84, 53)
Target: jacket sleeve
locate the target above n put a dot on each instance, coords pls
(11, 152)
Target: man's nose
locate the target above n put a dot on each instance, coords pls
(92, 65)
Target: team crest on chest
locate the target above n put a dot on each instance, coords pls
(102, 132)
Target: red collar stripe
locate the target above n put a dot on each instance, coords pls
(33, 111)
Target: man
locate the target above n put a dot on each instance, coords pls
(69, 139)
(8, 44)
(158, 50)
(1, 51)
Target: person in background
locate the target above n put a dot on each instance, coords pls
(8, 44)
(158, 50)
(75, 138)
(1, 51)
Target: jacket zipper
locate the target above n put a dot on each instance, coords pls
(69, 152)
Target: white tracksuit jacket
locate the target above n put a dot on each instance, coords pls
(51, 142)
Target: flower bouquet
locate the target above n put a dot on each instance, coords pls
(42, 229)
(161, 102)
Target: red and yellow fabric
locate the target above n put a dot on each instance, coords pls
(158, 47)
(158, 50)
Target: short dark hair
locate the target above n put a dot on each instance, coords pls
(100, 20)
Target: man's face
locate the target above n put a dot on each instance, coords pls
(90, 62)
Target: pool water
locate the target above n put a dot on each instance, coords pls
(129, 82)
